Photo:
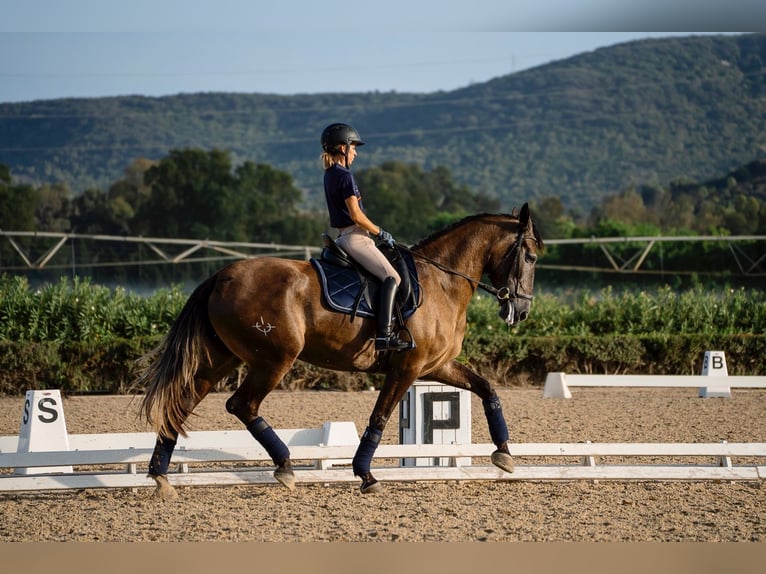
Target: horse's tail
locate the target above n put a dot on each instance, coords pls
(168, 375)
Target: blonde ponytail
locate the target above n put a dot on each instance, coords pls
(327, 160)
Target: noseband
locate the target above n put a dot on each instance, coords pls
(504, 294)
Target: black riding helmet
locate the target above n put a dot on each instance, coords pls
(338, 134)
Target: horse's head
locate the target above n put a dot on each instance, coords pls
(514, 276)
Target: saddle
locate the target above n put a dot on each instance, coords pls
(350, 289)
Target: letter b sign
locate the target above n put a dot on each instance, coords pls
(714, 363)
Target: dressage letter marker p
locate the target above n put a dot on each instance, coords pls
(432, 413)
(43, 429)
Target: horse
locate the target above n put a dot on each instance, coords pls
(268, 312)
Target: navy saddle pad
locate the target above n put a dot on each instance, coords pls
(341, 287)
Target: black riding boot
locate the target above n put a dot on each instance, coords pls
(386, 338)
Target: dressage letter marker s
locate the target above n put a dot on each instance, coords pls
(43, 429)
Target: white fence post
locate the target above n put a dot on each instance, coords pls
(556, 387)
(337, 434)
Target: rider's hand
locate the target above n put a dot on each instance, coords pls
(385, 237)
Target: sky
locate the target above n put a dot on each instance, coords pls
(92, 48)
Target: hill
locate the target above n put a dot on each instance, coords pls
(645, 112)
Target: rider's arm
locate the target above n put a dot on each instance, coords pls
(359, 217)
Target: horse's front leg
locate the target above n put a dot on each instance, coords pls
(458, 375)
(396, 384)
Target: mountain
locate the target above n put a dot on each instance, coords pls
(644, 112)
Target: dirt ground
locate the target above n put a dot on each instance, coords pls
(462, 511)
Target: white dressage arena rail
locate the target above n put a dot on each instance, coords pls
(713, 382)
(44, 456)
(225, 458)
(557, 385)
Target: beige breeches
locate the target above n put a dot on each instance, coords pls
(357, 242)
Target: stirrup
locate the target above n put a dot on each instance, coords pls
(392, 343)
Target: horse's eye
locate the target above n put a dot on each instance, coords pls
(531, 258)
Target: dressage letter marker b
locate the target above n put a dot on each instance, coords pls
(714, 364)
(43, 429)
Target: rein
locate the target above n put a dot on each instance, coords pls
(502, 294)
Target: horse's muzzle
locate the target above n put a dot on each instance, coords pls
(514, 311)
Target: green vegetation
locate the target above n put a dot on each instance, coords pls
(657, 331)
(578, 129)
(77, 336)
(81, 337)
(80, 311)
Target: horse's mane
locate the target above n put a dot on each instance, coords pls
(441, 232)
(459, 223)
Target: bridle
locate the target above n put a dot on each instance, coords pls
(502, 294)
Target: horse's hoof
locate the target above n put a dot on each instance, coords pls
(371, 486)
(502, 460)
(164, 490)
(286, 477)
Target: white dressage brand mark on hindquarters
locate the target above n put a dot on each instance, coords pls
(264, 327)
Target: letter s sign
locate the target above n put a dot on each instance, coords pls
(47, 414)
(25, 418)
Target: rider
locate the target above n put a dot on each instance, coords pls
(347, 216)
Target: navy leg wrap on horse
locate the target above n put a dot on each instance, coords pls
(160, 461)
(363, 457)
(269, 440)
(498, 430)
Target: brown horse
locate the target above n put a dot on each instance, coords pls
(269, 312)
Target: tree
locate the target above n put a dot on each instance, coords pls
(627, 207)
(192, 195)
(551, 218)
(17, 204)
(126, 196)
(268, 199)
(91, 214)
(197, 193)
(411, 203)
(53, 208)
(743, 216)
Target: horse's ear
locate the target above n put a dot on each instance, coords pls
(524, 216)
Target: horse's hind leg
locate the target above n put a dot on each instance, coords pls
(262, 377)
(458, 375)
(204, 380)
